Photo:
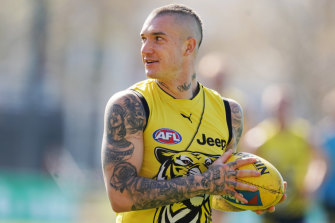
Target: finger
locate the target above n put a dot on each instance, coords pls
(259, 212)
(241, 162)
(284, 195)
(285, 186)
(244, 186)
(238, 196)
(248, 173)
(225, 156)
(283, 198)
(246, 161)
(271, 209)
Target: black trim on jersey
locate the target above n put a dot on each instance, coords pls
(145, 106)
(202, 115)
(228, 117)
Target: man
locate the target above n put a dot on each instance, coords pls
(166, 139)
(284, 140)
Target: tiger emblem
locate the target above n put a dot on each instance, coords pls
(178, 164)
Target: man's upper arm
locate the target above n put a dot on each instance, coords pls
(237, 123)
(122, 146)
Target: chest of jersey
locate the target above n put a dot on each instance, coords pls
(182, 137)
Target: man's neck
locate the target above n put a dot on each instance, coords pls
(180, 90)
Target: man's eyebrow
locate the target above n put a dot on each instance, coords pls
(159, 34)
(155, 34)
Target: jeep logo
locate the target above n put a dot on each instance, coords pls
(212, 142)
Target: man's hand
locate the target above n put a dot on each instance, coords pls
(272, 208)
(220, 178)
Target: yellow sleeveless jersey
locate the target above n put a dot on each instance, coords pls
(182, 137)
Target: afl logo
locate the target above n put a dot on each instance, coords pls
(167, 136)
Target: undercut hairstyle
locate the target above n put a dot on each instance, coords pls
(180, 10)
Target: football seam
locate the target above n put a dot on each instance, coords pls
(271, 190)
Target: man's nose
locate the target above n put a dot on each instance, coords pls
(146, 47)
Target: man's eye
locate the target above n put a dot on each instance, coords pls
(143, 39)
(158, 38)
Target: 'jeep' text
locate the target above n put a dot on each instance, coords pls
(212, 142)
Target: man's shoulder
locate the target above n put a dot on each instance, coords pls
(234, 105)
(121, 96)
(142, 85)
(211, 91)
(214, 93)
(130, 91)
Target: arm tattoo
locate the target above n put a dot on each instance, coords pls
(125, 119)
(149, 193)
(128, 118)
(237, 121)
(117, 156)
(135, 115)
(122, 176)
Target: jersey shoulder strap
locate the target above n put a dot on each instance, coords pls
(228, 118)
(145, 106)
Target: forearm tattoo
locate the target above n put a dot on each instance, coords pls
(149, 193)
(123, 120)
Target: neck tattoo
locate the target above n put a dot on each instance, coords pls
(184, 87)
(163, 84)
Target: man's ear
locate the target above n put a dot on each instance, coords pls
(191, 45)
